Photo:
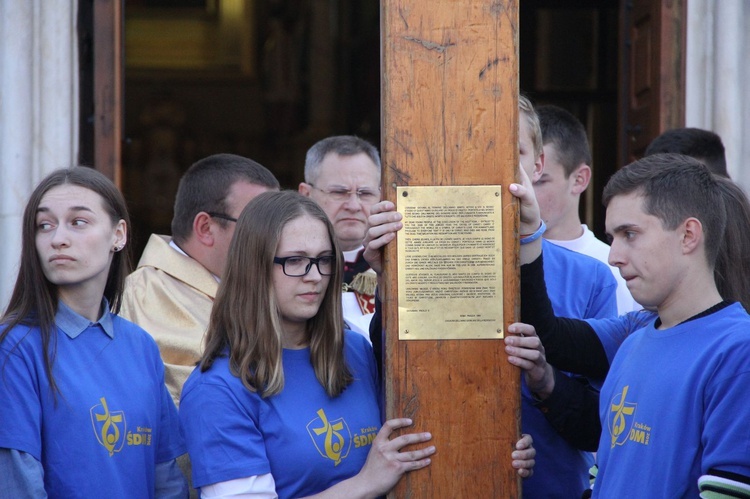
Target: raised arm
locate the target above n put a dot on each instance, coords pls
(570, 344)
(384, 222)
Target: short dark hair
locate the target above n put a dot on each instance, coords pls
(343, 145)
(675, 187)
(701, 144)
(205, 187)
(567, 134)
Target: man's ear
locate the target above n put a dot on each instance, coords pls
(203, 228)
(304, 189)
(538, 168)
(581, 178)
(692, 235)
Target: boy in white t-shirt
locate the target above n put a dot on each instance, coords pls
(566, 175)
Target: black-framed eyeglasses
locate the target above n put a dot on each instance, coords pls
(298, 266)
(365, 195)
(222, 216)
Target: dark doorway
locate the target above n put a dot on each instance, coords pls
(569, 58)
(263, 79)
(268, 78)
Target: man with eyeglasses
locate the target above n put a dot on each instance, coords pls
(342, 174)
(171, 293)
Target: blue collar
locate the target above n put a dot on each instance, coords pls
(74, 324)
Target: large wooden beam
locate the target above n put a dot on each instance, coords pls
(450, 117)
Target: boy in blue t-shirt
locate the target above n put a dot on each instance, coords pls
(674, 400)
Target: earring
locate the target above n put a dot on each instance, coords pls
(117, 248)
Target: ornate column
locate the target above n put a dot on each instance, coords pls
(38, 110)
(718, 62)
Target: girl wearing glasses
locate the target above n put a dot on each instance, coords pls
(84, 411)
(284, 402)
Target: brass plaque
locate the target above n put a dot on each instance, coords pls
(450, 275)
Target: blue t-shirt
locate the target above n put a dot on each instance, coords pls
(614, 330)
(307, 440)
(113, 419)
(675, 405)
(579, 286)
(582, 287)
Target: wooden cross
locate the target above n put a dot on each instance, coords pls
(450, 118)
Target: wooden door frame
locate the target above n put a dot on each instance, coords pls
(651, 100)
(101, 83)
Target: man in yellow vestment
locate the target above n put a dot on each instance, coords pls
(171, 293)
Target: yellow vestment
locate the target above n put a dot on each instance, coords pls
(170, 295)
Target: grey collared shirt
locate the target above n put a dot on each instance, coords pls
(73, 324)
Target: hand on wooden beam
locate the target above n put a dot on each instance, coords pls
(523, 456)
(530, 214)
(386, 462)
(384, 221)
(531, 220)
(525, 350)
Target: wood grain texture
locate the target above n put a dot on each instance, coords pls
(450, 117)
(108, 91)
(653, 53)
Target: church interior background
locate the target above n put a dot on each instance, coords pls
(268, 78)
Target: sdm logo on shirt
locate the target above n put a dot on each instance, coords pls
(109, 426)
(332, 439)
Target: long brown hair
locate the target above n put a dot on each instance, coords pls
(733, 260)
(34, 299)
(245, 318)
